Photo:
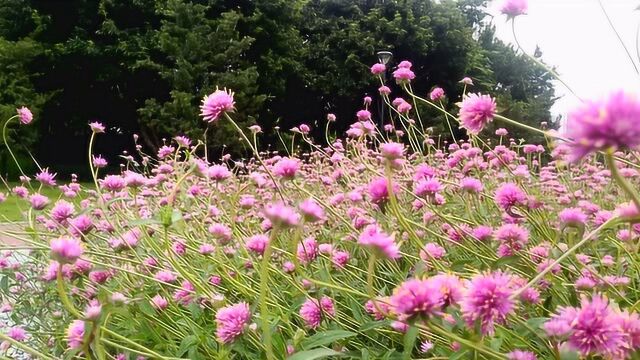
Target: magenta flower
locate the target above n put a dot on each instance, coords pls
(257, 243)
(281, 215)
(17, 333)
(231, 321)
(383, 244)
(287, 168)
(66, 250)
(216, 104)
(513, 8)
(97, 127)
(313, 311)
(75, 334)
(521, 355)
(403, 75)
(378, 190)
(113, 183)
(377, 69)
(436, 94)
(509, 195)
(392, 150)
(608, 125)
(476, 110)
(38, 201)
(363, 115)
(512, 239)
(417, 298)
(572, 217)
(307, 250)
(487, 301)
(312, 211)
(594, 329)
(46, 178)
(25, 115)
(159, 303)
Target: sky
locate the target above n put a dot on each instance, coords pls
(574, 35)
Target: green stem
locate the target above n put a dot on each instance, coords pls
(264, 287)
(564, 255)
(624, 184)
(63, 295)
(6, 143)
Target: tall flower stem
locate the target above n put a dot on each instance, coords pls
(256, 154)
(624, 184)
(564, 255)
(264, 288)
(62, 293)
(6, 143)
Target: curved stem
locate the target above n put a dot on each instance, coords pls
(564, 255)
(540, 63)
(6, 143)
(604, 11)
(624, 184)
(25, 348)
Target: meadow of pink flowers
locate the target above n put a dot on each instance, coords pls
(383, 244)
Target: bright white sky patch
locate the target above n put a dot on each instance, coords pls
(574, 35)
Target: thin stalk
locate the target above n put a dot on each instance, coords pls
(264, 287)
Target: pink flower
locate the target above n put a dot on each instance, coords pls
(383, 244)
(521, 355)
(307, 250)
(113, 183)
(384, 90)
(417, 298)
(311, 211)
(66, 250)
(466, 80)
(363, 115)
(609, 124)
(331, 117)
(46, 178)
(313, 311)
(512, 239)
(159, 303)
(17, 333)
(502, 132)
(403, 75)
(25, 115)
(257, 243)
(572, 217)
(340, 259)
(75, 334)
(509, 195)
(96, 127)
(182, 141)
(487, 301)
(476, 110)
(286, 168)
(471, 185)
(215, 104)
(38, 201)
(377, 69)
(166, 276)
(231, 321)
(281, 215)
(392, 150)
(436, 94)
(99, 162)
(513, 8)
(378, 190)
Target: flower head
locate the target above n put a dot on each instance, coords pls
(25, 115)
(417, 298)
(476, 110)
(96, 127)
(487, 301)
(313, 311)
(609, 124)
(378, 68)
(215, 104)
(436, 94)
(75, 334)
(231, 321)
(66, 250)
(513, 8)
(379, 241)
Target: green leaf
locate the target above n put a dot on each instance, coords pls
(410, 341)
(189, 342)
(140, 222)
(314, 354)
(326, 338)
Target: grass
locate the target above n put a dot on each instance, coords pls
(13, 207)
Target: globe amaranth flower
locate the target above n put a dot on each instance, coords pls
(417, 298)
(604, 125)
(376, 239)
(216, 104)
(513, 8)
(66, 250)
(313, 311)
(75, 334)
(379, 191)
(97, 127)
(286, 168)
(436, 94)
(378, 68)
(509, 195)
(476, 110)
(312, 211)
(25, 115)
(593, 329)
(487, 301)
(231, 321)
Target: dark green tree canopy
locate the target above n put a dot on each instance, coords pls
(143, 66)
